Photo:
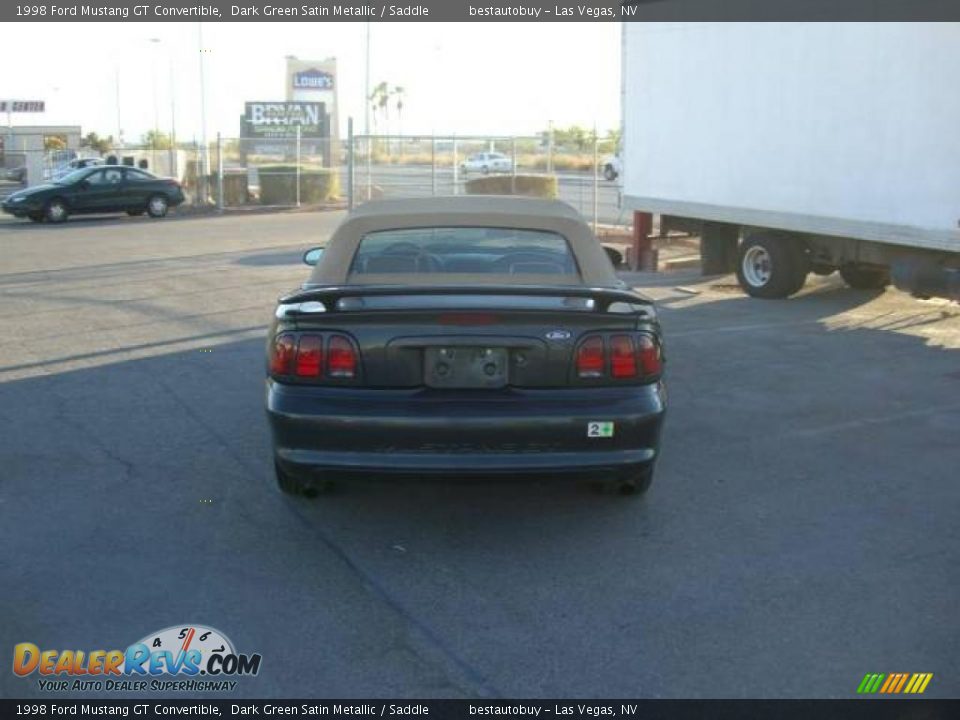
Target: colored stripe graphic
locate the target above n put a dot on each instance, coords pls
(895, 679)
(903, 680)
(894, 683)
(918, 683)
(871, 683)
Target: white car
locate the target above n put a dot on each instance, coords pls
(60, 170)
(486, 162)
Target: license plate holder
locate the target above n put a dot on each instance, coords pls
(463, 367)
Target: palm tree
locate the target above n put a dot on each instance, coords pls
(380, 100)
(399, 93)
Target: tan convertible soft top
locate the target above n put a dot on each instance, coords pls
(465, 211)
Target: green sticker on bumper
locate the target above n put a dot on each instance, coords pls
(597, 429)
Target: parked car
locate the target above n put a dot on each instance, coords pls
(464, 335)
(612, 167)
(486, 162)
(103, 189)
(17, 174)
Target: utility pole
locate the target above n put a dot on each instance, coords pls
(119, 126)
(366, 87)
(596, 179)
(203, 116)
(173, 124)
(156, 108)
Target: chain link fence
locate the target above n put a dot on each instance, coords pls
(387, 166)
(33, 158)
(295, 171)
(279, 172)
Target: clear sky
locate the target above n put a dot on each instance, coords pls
(497, 78)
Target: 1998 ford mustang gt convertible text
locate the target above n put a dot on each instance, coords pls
(464, 335)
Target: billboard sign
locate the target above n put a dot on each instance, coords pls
(314, 81)
(29, 106)
(281, 119)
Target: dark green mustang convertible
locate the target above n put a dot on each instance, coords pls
(103, 189)
(469, 335)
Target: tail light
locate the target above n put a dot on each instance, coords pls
(341, 357)
(651, 362)
(282, 354)
(313, 356)
(310, 356)
(590, 358)
(623, 357)
(619, 357)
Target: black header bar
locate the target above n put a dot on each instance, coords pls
(480, 10)
(872, 709)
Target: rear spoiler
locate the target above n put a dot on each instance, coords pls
(329, 298)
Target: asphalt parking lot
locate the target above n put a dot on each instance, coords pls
(802, 529)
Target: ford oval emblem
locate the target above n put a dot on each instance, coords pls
(558, 335)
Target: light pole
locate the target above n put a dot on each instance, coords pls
(119, 126)
(173, 123)
(366, 87)
(156, 107)
(203, 114)
(366, 115)
(173, 106)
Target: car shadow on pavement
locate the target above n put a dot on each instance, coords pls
(91, 220)
(273, 258)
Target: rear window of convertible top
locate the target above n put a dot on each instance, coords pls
(464, 250)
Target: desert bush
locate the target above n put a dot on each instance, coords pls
(235, 187)
(278, 184)
(544, 186)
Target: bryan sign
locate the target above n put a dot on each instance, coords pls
(281, 119)
(285, 113)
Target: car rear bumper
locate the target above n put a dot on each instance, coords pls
(430, 432)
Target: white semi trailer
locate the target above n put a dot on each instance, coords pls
(801, 147)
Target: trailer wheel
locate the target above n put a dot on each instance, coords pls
(865, 277)
(772, 265)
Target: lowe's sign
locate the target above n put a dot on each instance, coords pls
(313, 79)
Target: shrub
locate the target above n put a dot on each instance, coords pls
(544, 186)
(278, 184)
(235, 187)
